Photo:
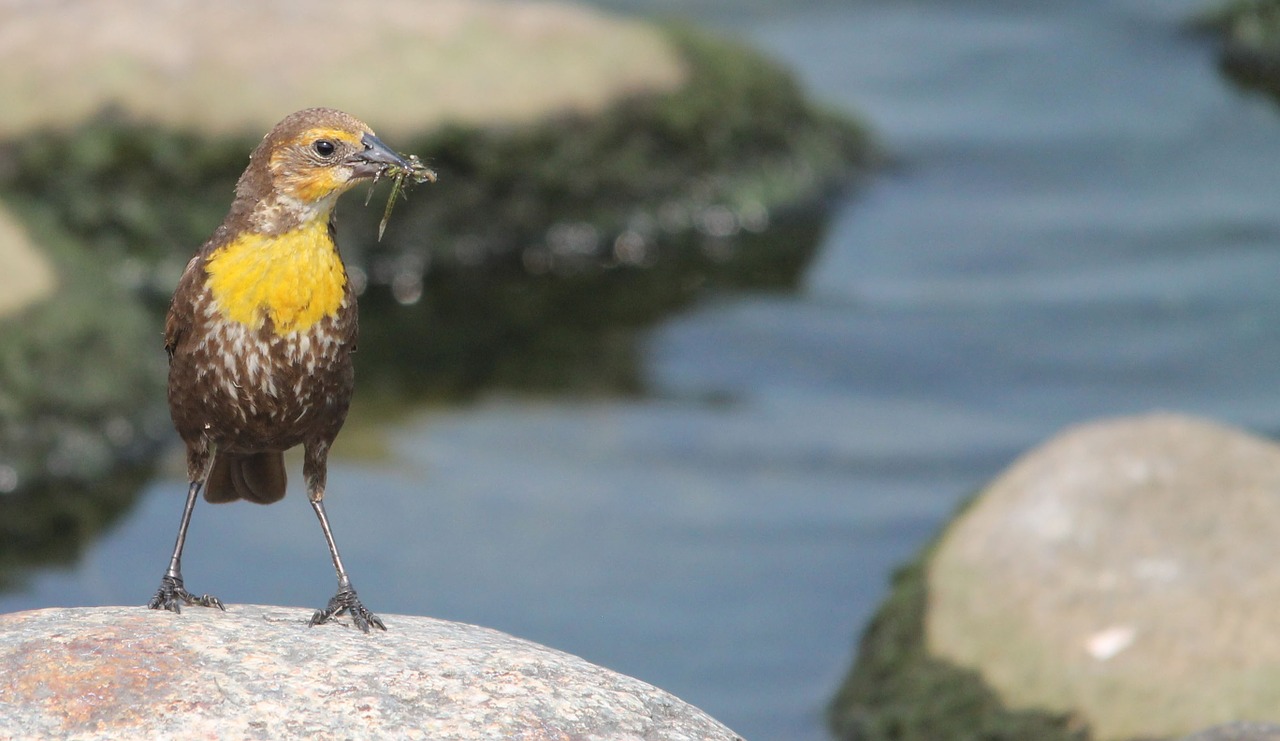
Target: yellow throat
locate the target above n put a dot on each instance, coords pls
(295, 278)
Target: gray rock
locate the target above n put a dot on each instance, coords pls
(1238, 732)
(258, 672)
(405, 66)
(1126, 571)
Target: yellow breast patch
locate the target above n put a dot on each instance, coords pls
(295, 278)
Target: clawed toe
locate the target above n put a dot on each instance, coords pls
(346, 601)
(172, 595)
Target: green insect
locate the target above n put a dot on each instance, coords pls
(416, 171)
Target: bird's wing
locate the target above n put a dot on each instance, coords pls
(182, 306)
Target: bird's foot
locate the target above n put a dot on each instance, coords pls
(172, 596)
(347, 601)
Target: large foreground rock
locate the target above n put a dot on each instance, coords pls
(1127, 572)
(260, 672)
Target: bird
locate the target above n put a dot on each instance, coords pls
(260, 334)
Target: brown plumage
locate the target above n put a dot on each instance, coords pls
(261, 330)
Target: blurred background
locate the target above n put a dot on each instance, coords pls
(675, 381)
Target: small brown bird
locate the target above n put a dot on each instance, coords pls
(261, 330)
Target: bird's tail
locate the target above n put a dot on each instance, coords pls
(256, 477)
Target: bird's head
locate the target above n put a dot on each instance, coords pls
(301, 167)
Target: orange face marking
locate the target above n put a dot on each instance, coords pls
(304, 174)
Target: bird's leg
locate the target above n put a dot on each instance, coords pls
(345, 600)
(172, 594)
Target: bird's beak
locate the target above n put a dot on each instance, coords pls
(375, 158)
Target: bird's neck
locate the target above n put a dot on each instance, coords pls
(294, 278)
(285, 211)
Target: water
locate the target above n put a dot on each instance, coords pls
(1081, 222)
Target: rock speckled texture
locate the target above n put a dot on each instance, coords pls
(258, 672)
(1125, 571)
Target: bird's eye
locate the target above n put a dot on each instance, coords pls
(324, 147)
